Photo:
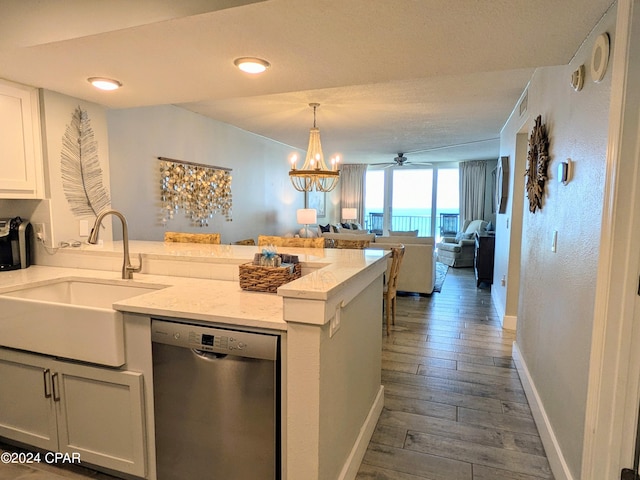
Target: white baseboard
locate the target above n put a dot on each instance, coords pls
(556, 459)
(352, 465)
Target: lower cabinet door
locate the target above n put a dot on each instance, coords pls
(27, 412)
(101, 416)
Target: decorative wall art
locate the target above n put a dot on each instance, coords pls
(537, 162)
(200, 190)
(80, 168)
(502, 184)
(316, 200)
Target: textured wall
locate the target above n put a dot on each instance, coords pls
(556, 290)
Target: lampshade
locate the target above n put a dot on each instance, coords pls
(349, 213)
(305, 216)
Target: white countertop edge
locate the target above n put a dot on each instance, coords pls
(176, 299)
(333, 277)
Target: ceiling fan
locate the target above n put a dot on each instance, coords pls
(400, 161)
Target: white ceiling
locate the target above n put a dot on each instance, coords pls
(436, 79)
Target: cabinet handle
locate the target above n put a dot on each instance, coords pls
(56, 394)
(45, 377)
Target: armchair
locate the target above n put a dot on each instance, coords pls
(459, 251)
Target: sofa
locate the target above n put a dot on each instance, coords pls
(459, 251)
(418, 269)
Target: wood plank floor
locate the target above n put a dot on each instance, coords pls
(454, 405)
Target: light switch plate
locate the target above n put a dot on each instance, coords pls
(83, 228)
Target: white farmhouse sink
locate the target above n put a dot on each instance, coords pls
(70, 318)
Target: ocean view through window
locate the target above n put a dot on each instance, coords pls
(405, 199)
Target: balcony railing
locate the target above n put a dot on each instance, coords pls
(422, 223)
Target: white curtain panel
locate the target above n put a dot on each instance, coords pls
(472, 190)
(352, 182)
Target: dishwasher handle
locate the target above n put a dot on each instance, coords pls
(208, 356)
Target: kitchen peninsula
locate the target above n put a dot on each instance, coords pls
(329, 323)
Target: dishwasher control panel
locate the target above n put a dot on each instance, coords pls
(216, 340)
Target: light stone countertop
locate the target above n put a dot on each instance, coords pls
(204, 299)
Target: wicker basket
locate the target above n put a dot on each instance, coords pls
(266, 279)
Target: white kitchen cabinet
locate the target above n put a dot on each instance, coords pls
(74, 408)
(21, 161)
(27, 413)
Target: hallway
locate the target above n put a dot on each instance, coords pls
(454, 405)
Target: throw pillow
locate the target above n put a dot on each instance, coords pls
(464, 236)
(324, 228)
(356, 226)
(346, 226)
(336, 228)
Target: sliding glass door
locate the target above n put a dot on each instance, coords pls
(407, 199)
(412, 200)
(448, 202)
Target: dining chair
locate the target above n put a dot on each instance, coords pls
(179, 237)
(391, 286)
(356, 244)
(247, 241)
(266, 240)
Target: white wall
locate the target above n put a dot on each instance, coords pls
(57, 111)
(556, 290)
(264, 201)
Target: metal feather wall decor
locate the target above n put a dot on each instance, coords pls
(80, 167)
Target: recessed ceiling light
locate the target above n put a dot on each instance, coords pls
(251, 64)
(104, 83)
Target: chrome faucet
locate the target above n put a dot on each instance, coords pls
(127, 268)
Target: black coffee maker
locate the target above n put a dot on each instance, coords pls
(15, 243)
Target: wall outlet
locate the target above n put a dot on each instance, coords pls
(334, 323)
(40, 232)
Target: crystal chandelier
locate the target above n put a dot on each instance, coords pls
(314, 174)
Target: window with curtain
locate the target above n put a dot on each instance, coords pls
(352, 188)
(472, 189)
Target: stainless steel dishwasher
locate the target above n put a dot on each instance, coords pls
(217, 402)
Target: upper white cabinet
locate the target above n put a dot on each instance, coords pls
(21, 164)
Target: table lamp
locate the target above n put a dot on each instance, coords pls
(349, 213)
(306, 216)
